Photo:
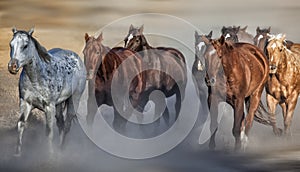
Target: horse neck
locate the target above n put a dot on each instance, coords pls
(35, 68)
(284, 64)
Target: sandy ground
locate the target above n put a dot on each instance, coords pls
(63, 24)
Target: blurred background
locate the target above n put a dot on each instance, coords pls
(63, 24)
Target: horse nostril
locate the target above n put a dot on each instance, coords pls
(272, 67)
(212, 81)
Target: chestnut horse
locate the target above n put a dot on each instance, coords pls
(102, 63)
(165, 68)
(245, 72)
(283, 86)
(199, 71)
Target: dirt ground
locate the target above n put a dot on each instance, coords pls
(63, 24)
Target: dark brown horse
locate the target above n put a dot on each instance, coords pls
(165, 68)
(283, 87)
(261, 38)
(199, 71)
(237, 34)
(245, 72)
(102, 63)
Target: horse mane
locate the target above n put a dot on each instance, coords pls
(110, 62)
(42, 51)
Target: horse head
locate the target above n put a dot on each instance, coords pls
(200, 48)
(275, 48)
(261, 37)
(135, 40)
(93, 53)
(212, 63)
(23, 48)
(230, 33)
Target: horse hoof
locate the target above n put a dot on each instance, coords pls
(17, 154)
(278, 132)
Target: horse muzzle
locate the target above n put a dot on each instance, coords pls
(273, 69)
(90, 75)
(211, 82)
(13, 66)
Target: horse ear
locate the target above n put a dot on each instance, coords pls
(257, 29)
(237, 29)
(210, 34)
(269, 29)
(283, 37)
(196, 35)
(100, 37)
(223, 29)
(86, 37)
(30, 32)
(222, 40)
(14, 29)
(245, 28)
(131, 27)
(141, 29)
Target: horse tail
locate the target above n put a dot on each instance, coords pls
(262, 115)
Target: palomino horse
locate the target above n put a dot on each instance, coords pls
(102, 63)
(283, 86)
(199, 71)
(162, 64)
(47, 82)
(237, 34)
(245, 73)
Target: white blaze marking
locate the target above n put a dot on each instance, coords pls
(212, 52)
(227, 36)
(259, 37)
(130, 37)
(200, 45)
(273, 46)
(199, 66)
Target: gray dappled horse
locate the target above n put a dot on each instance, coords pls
(48, 81)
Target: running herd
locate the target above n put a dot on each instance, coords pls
(235, 68)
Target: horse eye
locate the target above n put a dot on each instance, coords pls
(137, 40)
(25, 46)
(97, 52)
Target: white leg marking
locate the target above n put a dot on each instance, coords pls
(244, 139)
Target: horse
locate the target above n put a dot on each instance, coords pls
(162, 63)
(261, 38)
(50, 81)
(237, 34)
(237, 72)
(199, 71)
(283, 87)
(102, 64)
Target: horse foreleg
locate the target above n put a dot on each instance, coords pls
(271, 103)
(178, 103)
(291, 105)
(212, 100)
(118, 121)
(238, 119)
(25, 109)
(92, 104)
(50, 112)
(59, 117)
